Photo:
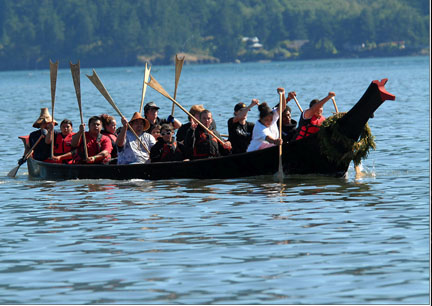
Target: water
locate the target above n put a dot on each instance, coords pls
(307, 240)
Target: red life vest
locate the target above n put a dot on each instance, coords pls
(62, 145)
(205, 145)
(310, 126)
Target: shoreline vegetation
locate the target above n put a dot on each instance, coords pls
(131, 32)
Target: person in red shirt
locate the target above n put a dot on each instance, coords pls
(99, 146)
(63, 152)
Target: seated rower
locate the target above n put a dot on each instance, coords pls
(63, 152)
(240, 130)
(99, 146)
(266, 131)
(155, 131)
(166, 148)
(201, 144)
(130, 149)
(151, 114)
(43, 149)
(109, 125)
(195, 111)
(289, 126)
(312, 118)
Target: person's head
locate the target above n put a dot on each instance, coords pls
(44, 119)
(286, 116)
(109, 123)
(206, 118)
(266, 114)
(195, 111)
(66, 127)
(138, 123)
(94, 125)
(166, 132)
(319, 111)
(238, 108)
(151, 111)
(156, 131)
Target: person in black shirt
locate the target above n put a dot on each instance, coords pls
(289, 126)
(43, 149)
(151, 111)
(240, 130)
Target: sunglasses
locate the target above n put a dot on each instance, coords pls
(166, 133)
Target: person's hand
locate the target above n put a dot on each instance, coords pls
(281, 90)
(124, 121)
(255, 102)
(278, 142)
(82, 127)
(227, 145)
(291, 95)
(55, 158)
(90, 160)
(194, 125)
(331, 94)
(170, 119)
(50, 126)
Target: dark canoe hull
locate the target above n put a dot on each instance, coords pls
(299, 157)
(262, 162)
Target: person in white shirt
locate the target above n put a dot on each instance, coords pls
(266, 131)
(130, 149)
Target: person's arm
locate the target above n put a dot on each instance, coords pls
(76, 139)
(175, 123)
(50, 128)
(121, 138)
(276, 141)
(106, 148)
(311, 111)
(244, 111)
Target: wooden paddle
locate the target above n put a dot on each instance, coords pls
(280, 173)
(14, 171)
(75, 70)
(98, 84)
(144, 89)
(53, 77)
(156, 86)
(298, 104)
(178, 69)
(334, 104)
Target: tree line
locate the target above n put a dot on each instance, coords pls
(129, 32)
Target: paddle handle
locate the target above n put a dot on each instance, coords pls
(298, 104)
(75, 70)
(334, 104)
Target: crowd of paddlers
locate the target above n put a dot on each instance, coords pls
(148, 138)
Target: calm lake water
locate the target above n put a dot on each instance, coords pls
(306, 240)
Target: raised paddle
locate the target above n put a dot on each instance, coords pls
(178, 69)
(53, 77)
(98, 84)
(156, 86)
(280, 170)
(298, 104)
(334, 104)
(22, 160)
(144, 89)
(75, 70)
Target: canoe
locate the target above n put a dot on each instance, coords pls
(305, 156)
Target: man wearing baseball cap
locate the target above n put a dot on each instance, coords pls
(151, 114)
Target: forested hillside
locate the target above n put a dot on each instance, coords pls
(128, 32)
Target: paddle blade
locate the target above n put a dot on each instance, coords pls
(156, 86)
(146, 78)
(178, 68)
(53, 78)
(13, 172)
(75, 70)
(94, 78)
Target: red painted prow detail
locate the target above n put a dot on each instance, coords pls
(385, 95)
(25, 139)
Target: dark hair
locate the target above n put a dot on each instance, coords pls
(106, 119)
(287, 109)
(206, 111)
(66, 121)
(313, 102)
(93, 118)
(264, 110)
(166, 126)
(156, 126)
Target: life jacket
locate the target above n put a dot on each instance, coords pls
(205, 145)
(62, 144)
(308, 127)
